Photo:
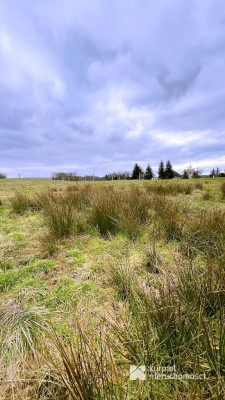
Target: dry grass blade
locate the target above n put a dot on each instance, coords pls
(87, 369)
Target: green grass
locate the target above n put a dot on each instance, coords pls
(97, 277)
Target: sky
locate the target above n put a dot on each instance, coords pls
(93, 86)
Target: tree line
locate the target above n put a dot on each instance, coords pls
(165, 171)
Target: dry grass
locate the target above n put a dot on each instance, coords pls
(58, 212)
(169, 216)
(169, 188)
(223, 190)
(114, 210)
(21, 202)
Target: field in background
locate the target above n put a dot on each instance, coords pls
(95, 277)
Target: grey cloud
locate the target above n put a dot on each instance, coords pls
(175, 88)
(96, 86)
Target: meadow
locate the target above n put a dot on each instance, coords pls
(98, 276)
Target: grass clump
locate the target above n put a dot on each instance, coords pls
(21, 202)
(169, 216)
(121, 278)
(205, 231)
(207, 195)
(198, 185)
(222, 187)
(86, 368)
(115, 210)
(21, 328)
(105, 208)
(133, 212)
(169, 188)
(58, 212)
(79, 194)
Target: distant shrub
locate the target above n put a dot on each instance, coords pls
(63, 176)
(2, 176)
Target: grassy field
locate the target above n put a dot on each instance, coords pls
(96, 277)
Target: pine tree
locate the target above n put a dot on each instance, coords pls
(169, 174)
(185, 174)
(212, 173)
(148, 172)
(217, 172)
(161, 170)
(137, 171)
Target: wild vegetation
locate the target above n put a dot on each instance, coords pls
(96, 277)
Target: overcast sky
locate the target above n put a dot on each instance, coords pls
(94, 86)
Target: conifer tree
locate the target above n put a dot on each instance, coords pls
(169, 174)
(148, 172)
(161, 170)
(137, 171)
(213, 173)
(217, 172)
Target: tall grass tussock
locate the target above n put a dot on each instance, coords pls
(21, 202)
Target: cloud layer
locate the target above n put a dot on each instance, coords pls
(94, 86)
